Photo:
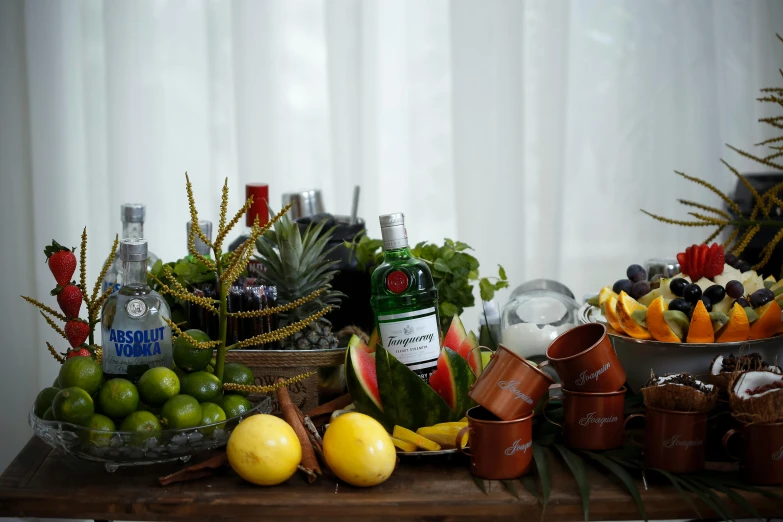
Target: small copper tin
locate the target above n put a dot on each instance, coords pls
(674, 440)
(510, 387)
(761, 456)
(585, 360)
(592, 421)
(498, 449)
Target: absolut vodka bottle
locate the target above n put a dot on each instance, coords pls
(132, 216)
(405, 301)
(134, 335)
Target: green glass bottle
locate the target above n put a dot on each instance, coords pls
(405, 301)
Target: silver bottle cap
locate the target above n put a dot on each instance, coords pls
(206, 228)
(393, 231)
(132, 212)
(133, 249)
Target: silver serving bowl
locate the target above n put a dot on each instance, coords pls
(640, 357)
(116, 449)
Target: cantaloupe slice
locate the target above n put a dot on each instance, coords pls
(658, 327)
(626, 306)
(700, 329)
(446, 436)
(403, 445)
(737, 329)
(768, 322)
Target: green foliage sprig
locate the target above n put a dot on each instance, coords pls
(454, 272)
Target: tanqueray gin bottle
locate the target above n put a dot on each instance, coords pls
(134, 335)
(405, 301)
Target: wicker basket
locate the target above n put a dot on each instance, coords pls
(269, 365)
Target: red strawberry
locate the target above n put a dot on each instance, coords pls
(81, 352)
(76, 331)
(61, 261)
(691, 251)
(704, 252)
(715, 261)
(69, 297)
(682, 258)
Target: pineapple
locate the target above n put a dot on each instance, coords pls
(297, 265)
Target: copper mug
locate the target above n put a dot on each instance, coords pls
(592, 421)
(585, 360)
(510, 387)
(497, 449)
(761, 456)
(674, 440)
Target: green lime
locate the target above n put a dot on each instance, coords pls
(180, 372)
(210, 414)
(181, 412)
(201, 385)
(158, 385)
(187, 356)
(48, 414)
(73, 404)
(144, 423)
(147, 407)
(240, 374)
(118, 398)
(56, 383)
(101, 430)
(44, 401)
(235, 405)
(81, 372)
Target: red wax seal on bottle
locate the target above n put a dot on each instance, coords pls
(397, 281)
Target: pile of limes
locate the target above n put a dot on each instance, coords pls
(189, 396)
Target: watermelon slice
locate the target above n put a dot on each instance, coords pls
(456, 334)
(452, 380)
(372, 343)
(356, 342)
(469, 353)
(361, 367)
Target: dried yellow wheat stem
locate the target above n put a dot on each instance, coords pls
(714, 234)
(732, 205)
(45, 308)
(768, 163)
(282, 333)
(709, 219)
(745, 240)
(54, 326)
(201, 345)
(751, 188)
(278, 309)
(704, 207)
(106, 265)
(193, 211)
(59, 358)
(247, 388)
(83, 267)
(677, 221)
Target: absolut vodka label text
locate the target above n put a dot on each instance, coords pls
(136, 343)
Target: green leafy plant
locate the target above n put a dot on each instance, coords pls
(454, 271)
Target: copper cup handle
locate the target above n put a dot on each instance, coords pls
(479, 348)
(543, 409)
(543, 363)
(725, 442)
(629, 418)
(461, 447)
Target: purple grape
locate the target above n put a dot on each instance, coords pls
(707, 303)
(639, 289)
(743, 266)
(636, 273)
(715, 293)
(742, 302)
(692, 293)
(761, 297)
(680, 304)
(623, 285)
(678, 285)
(730, 259)
(734, 289)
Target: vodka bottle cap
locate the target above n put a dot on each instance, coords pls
(206, 228)
(260, 206)
(132, 212)
(133, 249)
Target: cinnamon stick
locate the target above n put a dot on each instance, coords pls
(309, 461)
(330, 407)
(196, 471)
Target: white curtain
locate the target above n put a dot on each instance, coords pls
(532, 130)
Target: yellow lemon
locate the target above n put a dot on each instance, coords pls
(358, 450)
(264, 450)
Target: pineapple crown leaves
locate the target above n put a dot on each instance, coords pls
(732, 217)
(300, 266)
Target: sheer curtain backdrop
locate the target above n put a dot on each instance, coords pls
(532, 130)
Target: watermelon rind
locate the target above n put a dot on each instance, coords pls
(356, 342)
(362, 401)
(407, 399)
(456, 334)
(461, 378)
(468, 351)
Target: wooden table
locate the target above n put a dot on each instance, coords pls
(42, 482)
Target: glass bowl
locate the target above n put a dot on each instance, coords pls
(117, 449)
